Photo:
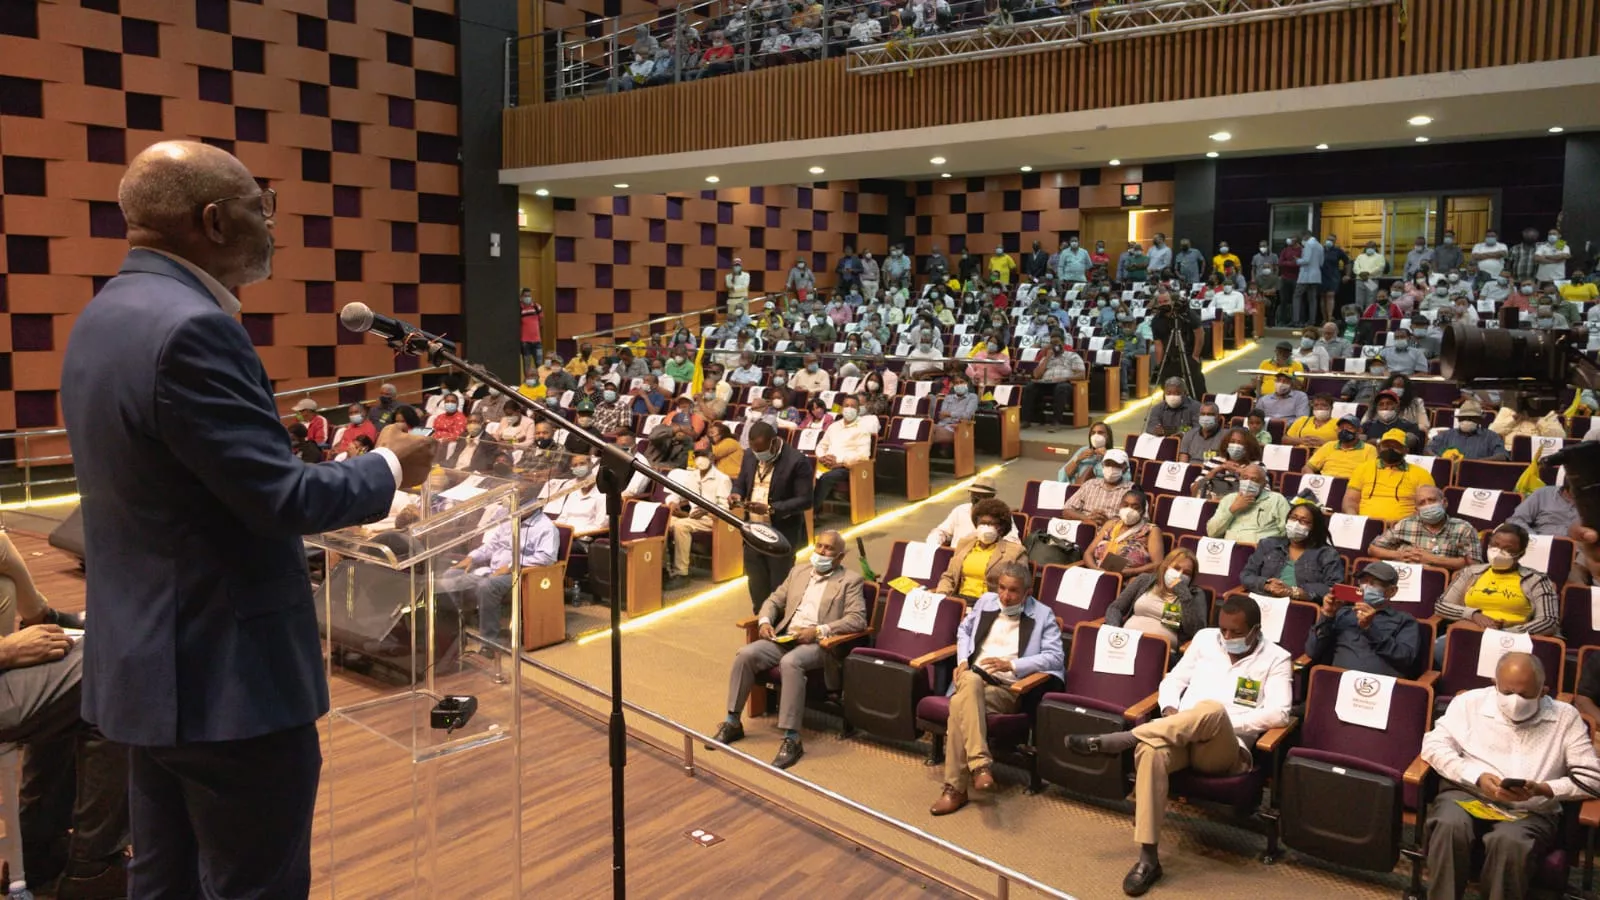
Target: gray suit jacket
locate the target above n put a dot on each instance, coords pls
(843, 609)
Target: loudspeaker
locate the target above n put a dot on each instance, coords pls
(68, 536)
(372, 613)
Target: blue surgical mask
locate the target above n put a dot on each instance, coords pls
(767, 455)
(1012, 611)
(960, 390)
(1250, 488)
(450, 407)
(1372, 595)
(1236, 646)
(821, 563)
(357, 419)
(610, 396)
(1209, 422)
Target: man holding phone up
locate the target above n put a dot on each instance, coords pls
(1366, 634)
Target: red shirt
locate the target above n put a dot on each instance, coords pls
(717, 54)
(353, 431)
(449, 426)
(1377, 312)
(1289, 264)
(530, 322)
(316, 429)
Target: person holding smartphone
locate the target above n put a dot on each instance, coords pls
(1366, 634)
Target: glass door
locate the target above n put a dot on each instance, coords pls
(1289, 220)
(1404, 221)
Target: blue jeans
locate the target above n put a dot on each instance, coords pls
(492, 591)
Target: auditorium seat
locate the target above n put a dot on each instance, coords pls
(885, 680)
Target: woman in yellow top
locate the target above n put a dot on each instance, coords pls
(1579, 291)
(1316, 429)
(978, 556)
(1282, 363)
(726, 453)
(1501, 594)
(1130, 535)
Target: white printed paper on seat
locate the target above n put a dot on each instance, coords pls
(1277, 457)
(1354, 365)
(464, 491)
(1479, 503)
(1064, 529)
(1096, 344)
(1053, 495)
(1208, 313)
(1003, 392)
(1170, 478)
(1497, 643)
(908, 406)
(1364, 699)
(1410, 585)
(902, 349)
(964, 342)
(1186, 513)
(1347, 532)
(643, 513)
(827, 398)
(566, 399)
(960, 328)
(1078, 584)
(730, 344)
(650, 422)
(1318, 485)
(753, 393)
(1422, 462)
(1146, 446)
(1594, 609)
(1226, 403)
(1487, 306)
(1273, 612)
(1104, 357)
(1030, 355)
(918, 560)
(1215, 556)
(1545, 445)
(1116, 650)
(839, 346)
(921, 388)
(807, 442)
(850, 384)
(908, 429)
(919, 611)
(1342, 408)
(1537, 556)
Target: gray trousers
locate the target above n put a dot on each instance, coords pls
(759, 656)
(1509, 850)
(1307, 301)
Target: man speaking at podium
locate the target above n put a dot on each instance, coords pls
(204, 654)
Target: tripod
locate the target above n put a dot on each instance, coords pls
(1175, 359)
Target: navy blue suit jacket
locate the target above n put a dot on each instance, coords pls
(202, 621)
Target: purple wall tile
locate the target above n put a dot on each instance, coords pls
(622, 252)
(708, 195)
(775, 261)
(1030, 221)
(774, 217)
(405, 299)
(675, 208)
(802, 240)
(674, 254)
(708, 279)
(708, 234)
(602, 227)
(32, 331)
(36, 409)
(405, 362)
(604, 321)
(620, 205)
(819, 262)
(724, 258)
(105, 220)
(658, 231)
(850, 201)
(602, 275)
(347, 201)
(802, 198)
(622, 300)
(758, 237)
(319, 296)
(345, 335)
(1069, 197)
(958, 242)
(758, 194)
(317, 231)
(566, 249)
(566, 299)
(819, 220)
(724, 213)
(658, 278)
(259, 327)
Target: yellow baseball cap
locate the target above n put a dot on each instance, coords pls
(1394, 434)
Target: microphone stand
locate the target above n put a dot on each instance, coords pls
(618, 468)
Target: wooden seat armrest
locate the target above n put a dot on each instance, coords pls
(747, 622)
(1022, 686)
(939, 655)
(1184, 647)
(1096, 623)
(1565, 696)
(1302, 661)
(1589, 814)
(1417, 771)
(1143, 708)
(1435, 620)
(1428, 678)
(833, 641)
(1269, 742)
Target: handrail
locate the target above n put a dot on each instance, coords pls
(709, 310)
(1006, 876)
(335, 385)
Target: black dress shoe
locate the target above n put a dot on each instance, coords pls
(789, 753)
(84, 881)
(1141, 878)
(727, 733)
(1085, 744)
(675, 582)
(54, 616)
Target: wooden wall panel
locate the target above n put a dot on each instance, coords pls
(822, 99)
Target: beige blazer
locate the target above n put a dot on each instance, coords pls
(843, 609)
(1004, 551)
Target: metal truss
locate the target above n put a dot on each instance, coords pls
(1108, 23)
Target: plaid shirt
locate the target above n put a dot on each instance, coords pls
(1097, 496)
(613, 418)
(1519, 262)
(1455, 539)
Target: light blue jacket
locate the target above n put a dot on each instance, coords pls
(1039, 642)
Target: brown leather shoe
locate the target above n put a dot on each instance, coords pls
(949, 801)
(982, 779)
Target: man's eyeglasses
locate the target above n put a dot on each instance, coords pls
(268, 199)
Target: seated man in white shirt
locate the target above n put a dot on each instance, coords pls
(1231, 686)
(575, 503)
(1229, 301)
(924, 360)
(958, 524)
(1515, 747)
(847, 441)
(747, 373)
(710, 483)
(811, 379)
(487, 570)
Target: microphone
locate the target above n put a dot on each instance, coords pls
(359, 318)
(763, 538)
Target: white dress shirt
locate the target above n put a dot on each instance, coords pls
(1002, 642)
(1206, 672)
(1472, 738)
(849, 442)
(712, 484)
(1552, 271)
(583, 511)
(810, 382)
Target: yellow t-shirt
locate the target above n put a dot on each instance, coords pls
(1332, 460)
(1499, 596)
(1386, 493)
(1269, 383)
(1578, 293)
(974, 569)
(1306, 426)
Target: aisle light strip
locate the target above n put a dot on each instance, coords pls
(1133, 407)
(741, 582)
(19, 505)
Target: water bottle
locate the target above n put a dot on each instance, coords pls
(19, 891)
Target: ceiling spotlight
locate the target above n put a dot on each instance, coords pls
(541, 192)
(937, 160)
(1420, 120)
(816, 170)
(621, 185)
(1422, 139)
(712, 179)
(1116, 162)
(1321, 147)
(1213, 155)
(1556, 129)
(1027, 168)
(1222, 136)
(944, 174)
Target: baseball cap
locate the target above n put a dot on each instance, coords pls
(1350, 420)
(1382, 571)
(1285, 345)
(305, 405)
(1394, 434)
(1116, 456)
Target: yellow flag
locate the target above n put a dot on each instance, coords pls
(699, 369)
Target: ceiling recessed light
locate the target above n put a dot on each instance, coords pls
(1556, 129)
(1420, 120)
(816, 170)
(1213, 155)
(1221, 136)
(621, 185)
(944, 174)
(937, 160)
(712, 179)
(1422, 139)
(1321, 147)
(541, 192)
(1027, 168)
(1116, 162)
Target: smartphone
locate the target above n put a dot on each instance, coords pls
(1347, 593)
(1513, 784)
(422, 432)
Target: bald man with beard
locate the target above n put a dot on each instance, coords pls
(205, 657)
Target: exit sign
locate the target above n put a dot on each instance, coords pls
(1132, 195)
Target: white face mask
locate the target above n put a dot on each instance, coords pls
(1129, 516)
(1515, 707)
(1173, 578)
(988, 534)
(1297, 531)
(1321, 415)
(1500, 560)
(1174, 400)
(1097, 441)
(703, 463)
(1467, 426)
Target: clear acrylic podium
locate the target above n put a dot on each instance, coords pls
(410, 810)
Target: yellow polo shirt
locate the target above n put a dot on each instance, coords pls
(1269, 383)
(1332, 460)
(1388, 494)
(1306, 426)
(974, 569)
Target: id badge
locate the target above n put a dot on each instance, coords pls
(1171, 614)
(1247, 692)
